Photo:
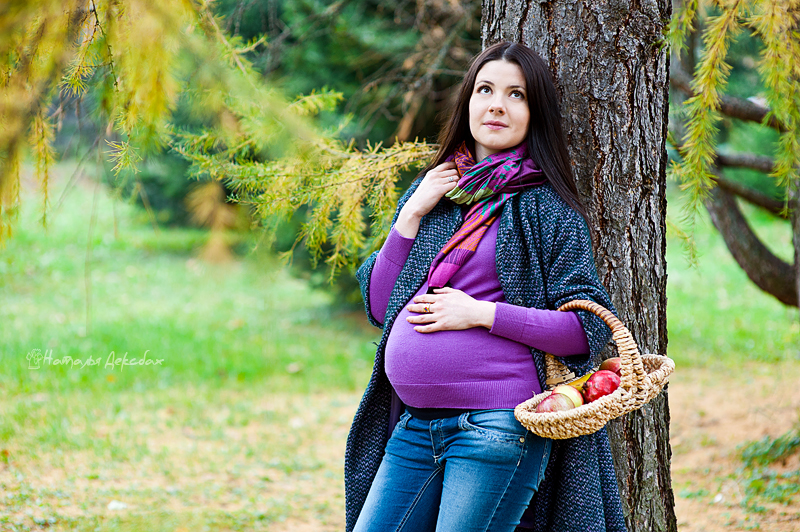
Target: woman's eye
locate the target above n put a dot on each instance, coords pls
(484, 90)
(518, 94)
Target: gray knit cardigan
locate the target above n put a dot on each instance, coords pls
(544, 259)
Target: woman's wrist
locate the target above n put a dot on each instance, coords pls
(486, 314)
(407, 223)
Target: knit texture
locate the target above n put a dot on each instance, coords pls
(544, 259)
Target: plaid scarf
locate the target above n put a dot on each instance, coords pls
(485, 186)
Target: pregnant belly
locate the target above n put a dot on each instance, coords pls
(453, 356)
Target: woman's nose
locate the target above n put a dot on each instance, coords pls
(496, 106)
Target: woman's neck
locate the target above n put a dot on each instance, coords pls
(482, 152)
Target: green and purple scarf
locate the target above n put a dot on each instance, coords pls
(485, 186)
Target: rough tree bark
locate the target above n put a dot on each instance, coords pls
(611, 66)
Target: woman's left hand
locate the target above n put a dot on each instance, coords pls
(448, 309)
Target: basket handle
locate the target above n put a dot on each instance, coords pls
(633, 374)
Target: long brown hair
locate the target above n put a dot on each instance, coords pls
(546, 143)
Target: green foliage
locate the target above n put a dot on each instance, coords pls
(772, 27)
(764, 484)
(335, 186)
(395, 62)
(710, 78)
(136, 59)
(190, 77)
(777, 24)
(681, 24)
(768, 450)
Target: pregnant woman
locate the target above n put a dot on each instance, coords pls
(485, 245)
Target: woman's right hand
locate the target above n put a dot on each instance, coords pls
(437, 182)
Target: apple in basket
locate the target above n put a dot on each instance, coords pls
(555, 402)
(613, 364)
(569, 391)
(601, 383)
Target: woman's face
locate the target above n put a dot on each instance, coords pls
(498, 108)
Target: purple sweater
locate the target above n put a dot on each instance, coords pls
(473, 368)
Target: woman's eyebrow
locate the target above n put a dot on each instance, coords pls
(487, 82)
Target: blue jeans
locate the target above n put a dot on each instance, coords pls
(473, 472)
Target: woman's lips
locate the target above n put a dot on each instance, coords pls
(495, 125)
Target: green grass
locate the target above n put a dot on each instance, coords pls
(246, 322)
(715, 315)
(765, 475)
(234, 430)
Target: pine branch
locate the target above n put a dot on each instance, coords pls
(340, 186)
(99, 26)
(777, 26)
(750, 195)
(742, 160)
(746, 160)
(702, 108)
(210, 20)
(728, 105)
(681, 25)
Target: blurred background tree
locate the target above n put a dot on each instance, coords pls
(395, 64)
(168, 90)
(735, 116)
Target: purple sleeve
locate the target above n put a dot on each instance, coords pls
(387, 267)
(552, 331)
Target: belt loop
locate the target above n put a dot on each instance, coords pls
(463, 424)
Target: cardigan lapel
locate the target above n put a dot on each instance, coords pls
(435, 230)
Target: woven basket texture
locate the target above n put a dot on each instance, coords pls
(643, 378)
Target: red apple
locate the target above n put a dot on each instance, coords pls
(569, 391)
(603, 382)
(555, 402)
(612, 364)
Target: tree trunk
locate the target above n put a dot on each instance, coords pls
(611, 68)
(768, 272)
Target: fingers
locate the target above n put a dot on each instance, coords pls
(433, 298)
(421, 307)
(447, 165)
(425, 313)
(444, 172)
(448, 175)
(433, 327)
(422, 319)
(426, 322)
(427, 302)
(436, 183)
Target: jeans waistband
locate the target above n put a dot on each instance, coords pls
(429, 414)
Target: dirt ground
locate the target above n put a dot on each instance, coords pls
(712, 415)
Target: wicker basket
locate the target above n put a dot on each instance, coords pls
(643, 377)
